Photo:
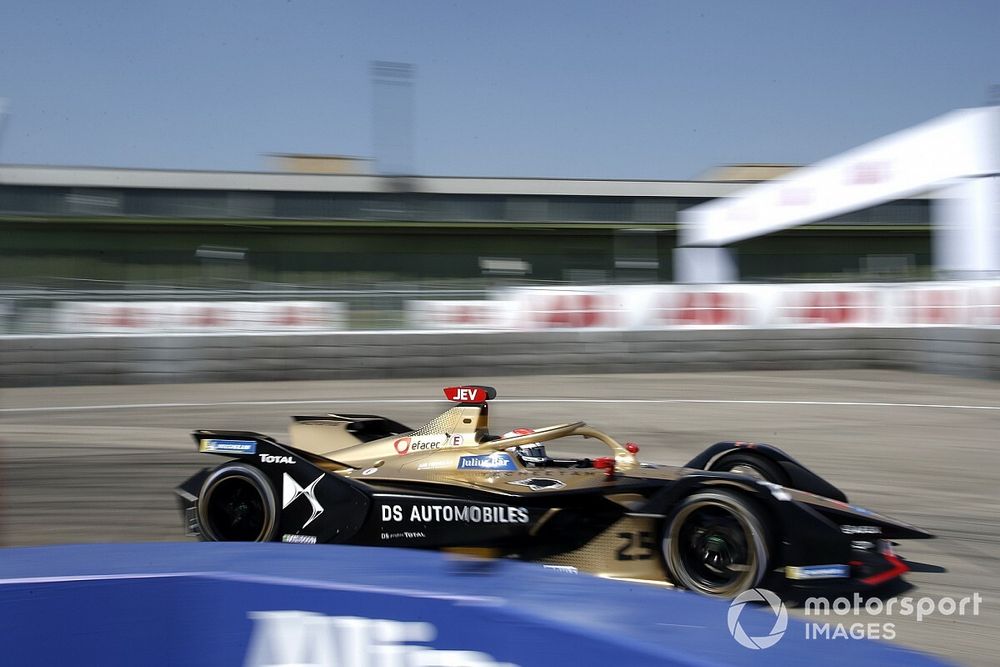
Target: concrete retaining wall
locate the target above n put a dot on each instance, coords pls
(73, 360)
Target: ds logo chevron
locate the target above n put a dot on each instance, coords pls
(290, 490)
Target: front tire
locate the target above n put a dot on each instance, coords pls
(237, 504)
(716, 544)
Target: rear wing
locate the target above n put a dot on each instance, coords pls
(363, 427)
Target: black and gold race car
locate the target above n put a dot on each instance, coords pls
(736, 516)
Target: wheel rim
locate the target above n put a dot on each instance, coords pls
(713, 550)
(749, 470)
(236, 511)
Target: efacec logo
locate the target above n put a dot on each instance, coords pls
(857, 606)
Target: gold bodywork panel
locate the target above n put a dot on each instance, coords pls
(456, 449)
(455, 429)
(628, 549)
(322, 437)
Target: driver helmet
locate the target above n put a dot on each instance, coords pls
(532, 452)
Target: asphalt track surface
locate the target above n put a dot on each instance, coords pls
(98, 464)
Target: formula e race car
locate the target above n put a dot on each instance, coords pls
(736, 516)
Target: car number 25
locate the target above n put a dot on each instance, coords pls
(636, 545)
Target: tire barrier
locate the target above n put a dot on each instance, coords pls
(149, 359)
(281, 604)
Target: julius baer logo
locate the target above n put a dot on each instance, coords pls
(841, 618)
(494, 461)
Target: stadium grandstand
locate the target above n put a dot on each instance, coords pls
(331, 224)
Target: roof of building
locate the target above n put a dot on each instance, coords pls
(114, 177)
(109, 177)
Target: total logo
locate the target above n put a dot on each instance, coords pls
(408, 444)
(271, 458)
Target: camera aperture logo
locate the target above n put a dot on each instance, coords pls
(776, 606)
(874, 617)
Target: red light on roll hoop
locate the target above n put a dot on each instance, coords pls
(631, 448)
(607, 464)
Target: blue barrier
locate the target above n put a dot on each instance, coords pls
(274, 604)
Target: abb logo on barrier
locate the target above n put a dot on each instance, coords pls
(468, 315)
(702, 308)
(576, 311)
(207, 317)
(985, 306)
(637, 307)
(830, 307)
(935, 306)
(123, 317)
(186, 316)
(298, 316)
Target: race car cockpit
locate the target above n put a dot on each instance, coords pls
(534, 455)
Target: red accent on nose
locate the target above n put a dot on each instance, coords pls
(898, 568)
(631, 448)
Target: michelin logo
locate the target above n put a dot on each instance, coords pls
(495, 461)
(217, 446)
(835, 571)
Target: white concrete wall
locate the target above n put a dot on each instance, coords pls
(109, 359)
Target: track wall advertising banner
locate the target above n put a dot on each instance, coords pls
(638, 307)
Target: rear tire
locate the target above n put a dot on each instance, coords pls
(715, 543)
(754, 465)
(237, 504)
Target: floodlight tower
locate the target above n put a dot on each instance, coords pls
(392, 125)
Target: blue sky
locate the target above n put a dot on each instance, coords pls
(651, 90)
